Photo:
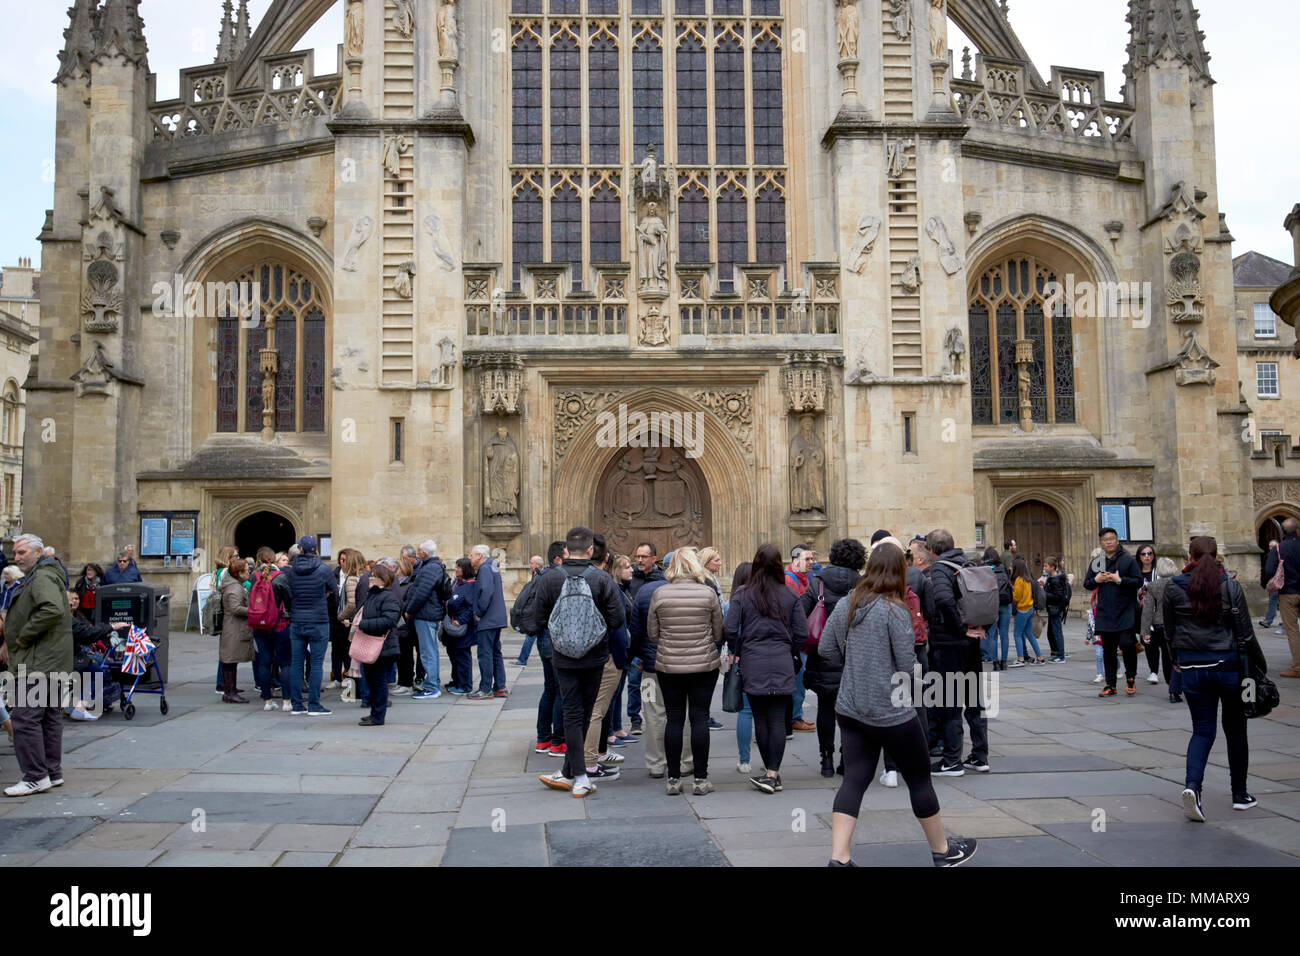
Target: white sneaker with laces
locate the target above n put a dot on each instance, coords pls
(1098, 679)
(743, 768)
(610, 759)
(25, 788)
(287, 707)
(889, 778)
(270, 705)
(1153, 678)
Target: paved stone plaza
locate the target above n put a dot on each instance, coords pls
(454, 783)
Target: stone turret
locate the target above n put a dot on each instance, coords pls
(74, 61)
(119, 32)
(1166, 29)
(226, 39)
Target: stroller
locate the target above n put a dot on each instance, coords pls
(134, 665)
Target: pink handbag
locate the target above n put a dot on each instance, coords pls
(364, 647)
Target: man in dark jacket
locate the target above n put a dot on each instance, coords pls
(489, 619)
(955, 658)
(579, 678)
(312, 585)
(123, 571)
(646, 569)
(836, 581)
(1116, 578)
(425, 606)
(1288, 599)
(654, 712)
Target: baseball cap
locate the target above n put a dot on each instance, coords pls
(879, 535)
(307, 544)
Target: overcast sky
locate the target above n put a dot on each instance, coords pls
(1253, 57)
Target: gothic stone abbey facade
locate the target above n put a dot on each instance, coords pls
(895, 286)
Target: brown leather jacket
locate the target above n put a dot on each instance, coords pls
(685, 621)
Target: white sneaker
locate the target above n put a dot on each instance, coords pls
(1153, 679)
(889, 778)
(1280, 631)
(270, 705)
(24, 788)
(333, 685)
(742, 768)
(77, 714)
(579, 790)
(397, 690)
(609, 759)
(1098, 679)
(286, 707)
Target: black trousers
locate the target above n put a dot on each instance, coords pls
(578, 690)
(683, 692)
(406, 656)
(905, 743)
(922, 655)
(769, 727)
(959, 669)
(826, 719)
(1112, 644)
(1158, 654)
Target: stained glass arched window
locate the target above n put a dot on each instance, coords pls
(1012, 301)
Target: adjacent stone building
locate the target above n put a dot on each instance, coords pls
(20, 315)
(706, 271)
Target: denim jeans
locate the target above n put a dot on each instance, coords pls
(616, 706)
(273, 647)
(528, 646)
(426, 633)
(999, 637)
(633, 692)
(550, 709)
(1101, 658)
(1056, 632)
(1204, 689)
(1025, 633)
(308, 642)
(744, 730)
(1271, 616)
(491, 665)
(799, 692)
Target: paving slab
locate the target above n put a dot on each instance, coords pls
(84, 859)
(392, 857)
(404, 829)
(519, 844)
(656, 841)
(1168, 845)
(215, 836)
(1014, 851)
(537, 806)
(313, 763)
(998, 786)
(179, 807)
(306, 858)
(123, 836)
(1039, 810)
(211, 858)
(1278, 833)
(40, 833)
(312, 837)
(421, 797)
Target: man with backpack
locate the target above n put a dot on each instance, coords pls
(578, 605)
(535, 569)
(962, 602)
(425, 606)
(311, 585)
(269, 603)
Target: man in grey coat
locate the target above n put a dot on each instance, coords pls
(489, 618)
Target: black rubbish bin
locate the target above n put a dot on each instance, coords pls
(144, 605)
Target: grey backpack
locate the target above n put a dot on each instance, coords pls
(977, 594)
(575, 624)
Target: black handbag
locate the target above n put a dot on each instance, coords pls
(733, 701)
(1259, 695)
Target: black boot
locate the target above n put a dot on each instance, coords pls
(828, 763)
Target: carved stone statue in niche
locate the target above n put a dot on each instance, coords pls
(362, 229)
(896, 159)
(901, 11)
(868, 231)
(848, 28)
(948, 258)
(911, 278)
(394, 147)
(448, 38)
(938, 30)
(445, 372)
(354, 28)
(404, 281)
(807, 469)
(652, 238)
(955, 346)
(501, 474)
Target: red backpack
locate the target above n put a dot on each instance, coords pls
(919, 628)
(264, 613)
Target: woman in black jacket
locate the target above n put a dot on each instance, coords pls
(380, 615)
(847, 559)
(765, 629)
(1207, 624)
(997, 641)
(92, 576)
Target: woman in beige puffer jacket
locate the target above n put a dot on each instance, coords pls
(685, 624)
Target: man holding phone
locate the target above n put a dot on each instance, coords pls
(1116, 578)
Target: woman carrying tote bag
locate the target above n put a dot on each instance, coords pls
(375, 642)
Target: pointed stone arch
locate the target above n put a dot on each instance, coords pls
(283, 25)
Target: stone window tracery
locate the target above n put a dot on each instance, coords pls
(1012, 301)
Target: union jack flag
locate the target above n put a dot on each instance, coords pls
(135, 658)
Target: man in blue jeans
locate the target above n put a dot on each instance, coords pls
(490, 618)
(425, 607)
(311, 584)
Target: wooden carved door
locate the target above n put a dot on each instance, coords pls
(1036, 529)
(653, 494)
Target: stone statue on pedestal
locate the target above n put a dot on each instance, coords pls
(807, 469)
(501, 467)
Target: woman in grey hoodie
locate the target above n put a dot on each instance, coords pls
(870, 635)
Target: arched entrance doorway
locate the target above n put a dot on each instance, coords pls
(653, 494)
(264, 528)
(1036, 529)
(1270, 529)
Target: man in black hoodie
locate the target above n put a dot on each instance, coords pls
(955, 659)
(312, 585)
(579, 678)
(1116, 578)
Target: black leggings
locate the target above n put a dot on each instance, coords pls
(1157, 650)
(905, 743)
(769, 727)
(826, 719)
(682, 692)
(1125, 643)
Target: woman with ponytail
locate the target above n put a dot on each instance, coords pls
(1206, 620)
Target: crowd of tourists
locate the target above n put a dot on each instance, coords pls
(665, 631)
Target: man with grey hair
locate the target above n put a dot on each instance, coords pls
(123, 570)
(38, 646)
(535, 567)
(1287, 556)
(425, 608)
(489, 618)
